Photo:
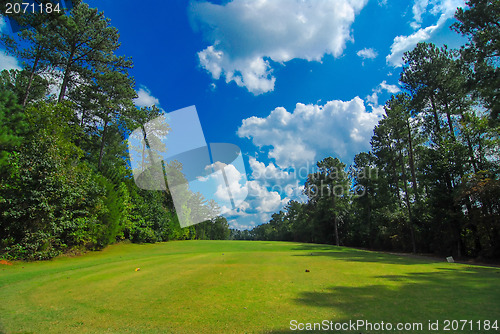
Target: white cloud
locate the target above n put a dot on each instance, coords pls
(259, 205)
(233, 223)
(263, 200)
(418, 9)
(145, 99)
(367, 53)
(383, 86)
(7, 62)
(269, 175)
(55, 81)
(393, 89)
(402, 44)
(373, 99)
(270, 189)
(260, 199)
(312, 132)
(246, 35)
(236, 184)
(285, 182)
(444, 8)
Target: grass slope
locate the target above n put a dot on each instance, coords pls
(238, 287)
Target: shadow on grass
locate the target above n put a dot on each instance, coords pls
(453, 294)
(356, 255)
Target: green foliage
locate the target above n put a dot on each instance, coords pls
(18, 81)
(479, 22)
(65, 182)
(51, 200)
(12, 126)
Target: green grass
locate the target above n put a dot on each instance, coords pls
(238, 287)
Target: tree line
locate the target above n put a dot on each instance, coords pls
(430, 182)
(65, 180)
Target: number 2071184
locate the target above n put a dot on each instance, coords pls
(31, 8)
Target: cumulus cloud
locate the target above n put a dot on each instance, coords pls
(284, 181)
(270, 174)
(259, 205)
(235, 184)
(145, 99)
(367, 53)
(247, 36)
(264, 200)
(260, 198)
(268, 191)
(445, 9)
(312, 132)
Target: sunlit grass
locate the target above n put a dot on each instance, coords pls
(237, 287)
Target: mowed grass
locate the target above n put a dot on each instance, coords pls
(238, 287)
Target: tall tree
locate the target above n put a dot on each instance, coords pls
(480, 23)
(328, 190)
(365, 177)
(87, 42)
(35, 45)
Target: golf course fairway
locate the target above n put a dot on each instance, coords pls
(243, 287)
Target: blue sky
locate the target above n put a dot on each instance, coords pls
(288, 81)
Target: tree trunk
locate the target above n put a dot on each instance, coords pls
(370, 224)
(469, 145)
(335, 222)
(436, 118)
(67, 71)
(408, 205)
(450, 126)
(32, 76)
(412, 161)
(337, 242)
(395, 179)
(450, 122)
